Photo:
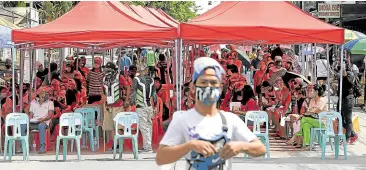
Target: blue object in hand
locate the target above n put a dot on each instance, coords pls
(199, 162)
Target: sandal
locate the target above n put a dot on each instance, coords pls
(299, 146)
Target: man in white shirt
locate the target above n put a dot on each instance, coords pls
(40, 114)
(184, 134)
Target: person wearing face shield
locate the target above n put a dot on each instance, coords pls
(204, 135)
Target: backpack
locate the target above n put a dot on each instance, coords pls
(357, 90)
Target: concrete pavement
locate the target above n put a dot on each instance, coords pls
(280, 160)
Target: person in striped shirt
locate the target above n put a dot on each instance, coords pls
(94, 81)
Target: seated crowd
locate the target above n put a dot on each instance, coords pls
(77, 86)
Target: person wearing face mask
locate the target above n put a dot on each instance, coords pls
(259, 77)
(143, 95)
(348, 100)
(7, 73)
(282, 108)
(40, 114)
(187, 128)
(126, 81)
(94, 81)
(69, 72)
(82, 66)
(59, 106)
(41, 71)
(310, 118)
(255, 61)
(248, 102)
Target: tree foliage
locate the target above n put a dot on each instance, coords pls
(180, 10)
(51, 10)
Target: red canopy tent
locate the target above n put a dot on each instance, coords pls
(93, 22)
(255, 22)
(163, 18)
(146, 15)
(167, 16)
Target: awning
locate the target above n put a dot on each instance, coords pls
(257, 22)
(93, 22)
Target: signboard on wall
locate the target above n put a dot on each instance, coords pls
(329, 11)
(340, 2)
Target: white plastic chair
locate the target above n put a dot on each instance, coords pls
(257, 117)
(16, 120)
(126, 119)
(74, 123)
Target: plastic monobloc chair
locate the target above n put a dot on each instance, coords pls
(74, 124)
(329, 132)
(16, 120)
(88, 125)
(258, 117)
(126, 119)
(99, 121)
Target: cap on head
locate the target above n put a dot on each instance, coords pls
(202, 63)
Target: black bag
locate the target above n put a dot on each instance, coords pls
(357, 90)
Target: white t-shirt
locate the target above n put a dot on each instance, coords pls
(189, 125)
(41, 111)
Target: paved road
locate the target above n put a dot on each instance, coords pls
(285, 160)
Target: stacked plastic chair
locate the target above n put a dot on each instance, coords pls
(88, 125)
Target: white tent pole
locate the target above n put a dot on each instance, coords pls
(313, 51)
(13, 58)
(328, 79)
(22, 56)
(303, 70)
(49, 55)
(181, 71)
(341, 81)
(176, 73)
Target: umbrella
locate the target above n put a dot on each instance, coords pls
(244, 58)
(291, 75)
(352, 35)
(357, 46)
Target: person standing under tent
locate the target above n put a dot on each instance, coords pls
(42, 72)
(143, 90)
(322, 71)
(94, 81)
(185, 134)
(151, 61)
(348, 101)
(126, 62)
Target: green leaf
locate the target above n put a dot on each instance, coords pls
(179, 10)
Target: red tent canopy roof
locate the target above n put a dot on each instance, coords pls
(256, 22)
(162, 17)
(168, 16)
(127, 11)
(95, 21)
(146, 15)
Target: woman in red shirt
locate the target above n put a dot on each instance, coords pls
(248, 102)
